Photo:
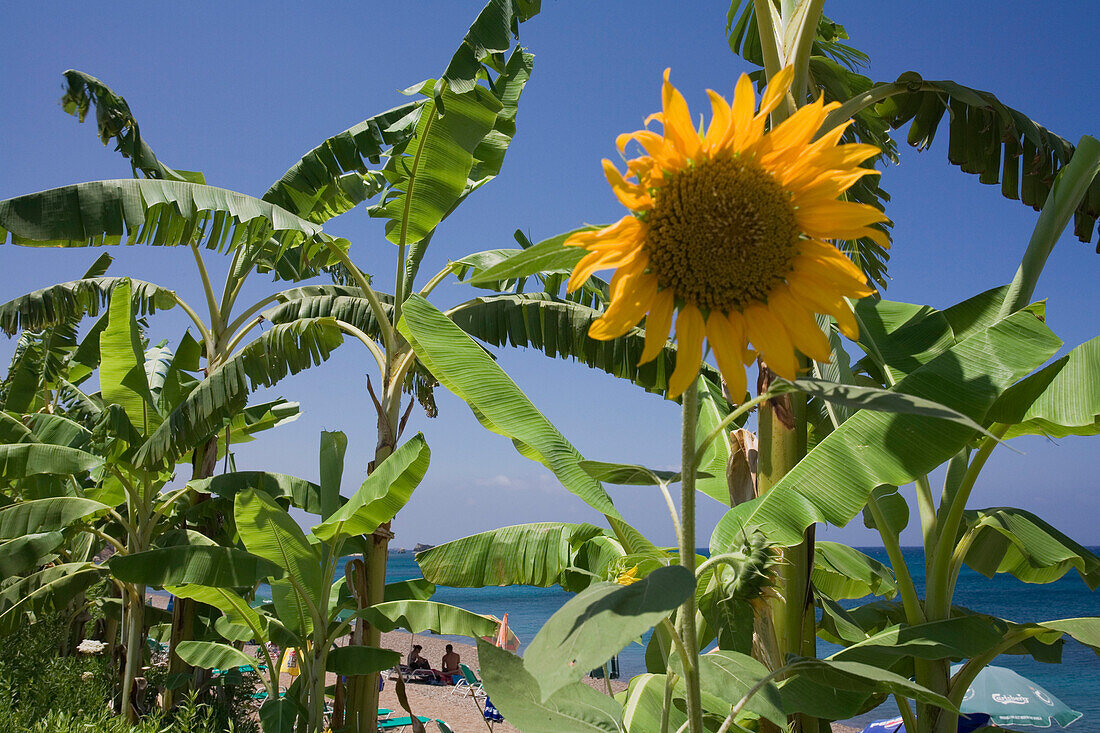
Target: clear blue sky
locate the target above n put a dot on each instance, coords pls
(241, 90)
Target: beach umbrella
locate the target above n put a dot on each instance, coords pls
(967, 724)
(1011, 699)
(491, 713)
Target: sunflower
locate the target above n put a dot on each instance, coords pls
(729, 231)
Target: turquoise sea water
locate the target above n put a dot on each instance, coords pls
(1076, 681)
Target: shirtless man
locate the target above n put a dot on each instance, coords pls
(450, 662)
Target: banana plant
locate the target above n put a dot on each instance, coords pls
(438, 148)
(119, 502)
(310, 610)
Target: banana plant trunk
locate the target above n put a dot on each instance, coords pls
(135, 621)
(204, 461)
(782, 444)
(362, 694)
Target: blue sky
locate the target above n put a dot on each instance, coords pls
(241, 90)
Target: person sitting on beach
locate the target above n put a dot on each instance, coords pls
(416, 661)
(450, 663)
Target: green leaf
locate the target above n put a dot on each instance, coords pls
(872, 398)
(333, 178)
(515, 692)
(209, 565)
(1008, 540)
(895, 511)
(114, 121)
(547, 257)
(625, 474)
(728, 676)
(414, 589)
(386, 490)
(122, 378)
(523, 554)
(295, 491)
(1084, 630)
(439, 618)
(278, 716)
(841, 572)
(159, 213)
(1059, 400)
(233, 605)
(427, 173)
(65, 301)
(281, 350)
(713, 409)
(559, 328)
(490, 35)
(501, 406)
(212, 655)
(832, 483)
(599, 621)
(26, 552)
(961, 637)
(21, 460)
(269, 532)
(333, 447)
(990, 139)
(45, 515)
(44, 592)
(837, 689)
(360, 660)
(507, 88)
(644, 703)
(58, 430)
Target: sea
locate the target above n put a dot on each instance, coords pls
(1076, 681)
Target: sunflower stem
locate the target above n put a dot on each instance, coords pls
(687, 555)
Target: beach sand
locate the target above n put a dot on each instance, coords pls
(462, 714)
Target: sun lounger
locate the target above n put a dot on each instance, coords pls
(396, 724)
(443, 727)
(472, 687)
(423, 676)
(262, 695)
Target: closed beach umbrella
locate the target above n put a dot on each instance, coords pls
(1010, 699)
(491, 713)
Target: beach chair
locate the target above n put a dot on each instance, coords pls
(443, 727)
(397, 724)
(473, 687)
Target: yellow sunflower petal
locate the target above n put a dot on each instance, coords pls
(726, 337)
(826, 185)
(778, 86)
(634, 300)
(719, 122)
(801, 325)
(790, 137)
(657, 325)
(658, 148)
(831, 255)
(835, 219)
(630, 195)
(612, 246)
(690, 331)
(824, 300)
(768, 334)
(742, 131)
(677, 119)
